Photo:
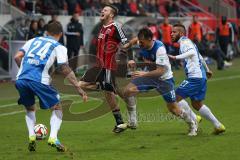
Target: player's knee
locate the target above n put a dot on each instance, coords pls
(56, 107)
(130, 91)
(31, 108)
(196, 104)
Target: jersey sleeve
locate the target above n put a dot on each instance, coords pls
(186, 46)
(26, 46)
(161, 56)
(120, 34)
(61, 54)
(186, 49)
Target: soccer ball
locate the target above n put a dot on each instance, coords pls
(41, 131)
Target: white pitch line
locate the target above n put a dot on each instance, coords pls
(224, 78)
(66, 96)
(10, 113)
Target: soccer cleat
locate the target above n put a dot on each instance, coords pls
(54, 142)
(32, 143)
(219, 130)
(132, 125)
(193, 129)
(120, 128)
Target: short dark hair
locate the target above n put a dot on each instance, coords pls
(54, 28)
(181, 26)
(145, 33)
(114, 9)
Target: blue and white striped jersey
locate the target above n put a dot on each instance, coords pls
(192, 59)
(39, 55)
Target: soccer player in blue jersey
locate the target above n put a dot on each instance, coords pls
(161, 78)
(34, 59)
(195, 86)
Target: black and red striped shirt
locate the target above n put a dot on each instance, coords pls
(109, 38)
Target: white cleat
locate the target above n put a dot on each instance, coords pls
(193, 129)
(132, 125)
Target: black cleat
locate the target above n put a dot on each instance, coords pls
(120, 128)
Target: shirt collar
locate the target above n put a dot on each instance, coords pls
(180, 39)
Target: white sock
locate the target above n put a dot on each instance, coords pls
(184, 105)
(206, 113)
(131, 107)
(55, 122)
(30, 121)
(132, 114)
(186, 116)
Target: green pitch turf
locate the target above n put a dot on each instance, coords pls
(159, 136)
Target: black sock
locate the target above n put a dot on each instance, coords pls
(118, 117)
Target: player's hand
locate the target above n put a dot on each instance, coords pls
(172, 57)
(84, 97)
(209, 74)
(137, 74)
(132, 65)
(126, 46)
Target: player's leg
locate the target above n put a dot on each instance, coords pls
(106, 80)
(112, 102)
(180, 112)
(207, 114)
(129, 97)
(27, 99)
(196, 100)
(50, 99)
(89, 79)
(183, 104)
(55, 123)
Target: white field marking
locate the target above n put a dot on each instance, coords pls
(15, 104)
(66, 96)
(10, 113)
(224, 78)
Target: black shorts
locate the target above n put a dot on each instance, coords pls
(104, 77)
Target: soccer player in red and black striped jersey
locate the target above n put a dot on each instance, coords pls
(109, 39)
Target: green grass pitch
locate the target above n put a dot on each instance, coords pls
(158, 137)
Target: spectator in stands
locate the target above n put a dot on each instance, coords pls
(41, 27)
(224, 34)
(74, 36)
(153, 8)
(125, 4)
(22, 30)
(133, 8)
(54, 18)
(195, 31)
(71, 6)
(33, 30)
(172, 7)
(4, 48)
(166, 29)
(155, 31)
(208, 49)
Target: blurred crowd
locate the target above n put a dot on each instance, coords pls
(125, 7)
(221, 46)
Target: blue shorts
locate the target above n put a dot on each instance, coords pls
(164, 87)
(27, 89)
(195, 88)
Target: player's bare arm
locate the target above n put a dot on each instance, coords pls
(67, 71)
(160, 70)
(132, 42)
(208, 71)
(18, 58)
